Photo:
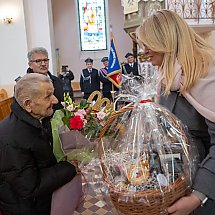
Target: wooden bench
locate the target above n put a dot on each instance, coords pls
(3, 94)
(76, 89)
(5, 107)
(76, 86)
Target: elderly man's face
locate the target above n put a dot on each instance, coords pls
(41, 105)
(39, 63)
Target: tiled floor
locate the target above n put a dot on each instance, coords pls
(94, 204)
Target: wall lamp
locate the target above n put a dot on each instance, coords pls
(8, 20)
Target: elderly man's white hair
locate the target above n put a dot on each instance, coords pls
(28, 86)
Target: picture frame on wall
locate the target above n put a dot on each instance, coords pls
(92, 25)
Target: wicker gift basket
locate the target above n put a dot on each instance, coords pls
(146, 162)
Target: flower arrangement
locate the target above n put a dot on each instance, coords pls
(76, 128)
(84, 117)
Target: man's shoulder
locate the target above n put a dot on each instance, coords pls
(29, 70)
(84, 70)
(103, 70)
(54, 78)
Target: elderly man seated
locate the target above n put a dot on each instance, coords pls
(29, 172)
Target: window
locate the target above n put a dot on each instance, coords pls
(92, 23)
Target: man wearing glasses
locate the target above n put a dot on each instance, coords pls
(38, 62)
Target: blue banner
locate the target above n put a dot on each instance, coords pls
(114, 67)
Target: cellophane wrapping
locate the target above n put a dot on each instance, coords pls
(147, 159)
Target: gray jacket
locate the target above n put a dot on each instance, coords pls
(202, 132)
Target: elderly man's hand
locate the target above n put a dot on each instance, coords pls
(184, 205)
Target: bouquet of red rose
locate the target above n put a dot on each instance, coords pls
(75, 129)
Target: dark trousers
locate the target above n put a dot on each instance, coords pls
(107, 95)
(86, 95)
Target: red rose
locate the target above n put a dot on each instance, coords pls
(76, 123)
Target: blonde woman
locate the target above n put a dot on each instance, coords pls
(186, 86)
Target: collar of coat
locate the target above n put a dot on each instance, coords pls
(23, 115)
(52, 77)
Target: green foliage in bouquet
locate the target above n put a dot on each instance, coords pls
(81, 118)
(56, 122)
(84, 117)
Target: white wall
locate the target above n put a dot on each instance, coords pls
(32, 27)
(39, 27)
(66, 30)
(13, 44)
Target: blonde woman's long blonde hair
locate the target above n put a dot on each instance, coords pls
(166, 32)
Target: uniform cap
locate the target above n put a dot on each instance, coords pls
(104, 59)
(128, 54)
(88, 60)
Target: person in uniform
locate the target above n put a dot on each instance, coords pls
(89, 80)
(131, 67)
(107, 86)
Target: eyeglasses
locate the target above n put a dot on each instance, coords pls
(39, 61)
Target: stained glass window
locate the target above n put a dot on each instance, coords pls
(92, 22)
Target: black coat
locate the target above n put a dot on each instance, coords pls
(58, 89)
(66, 79)
(89, 82)
(29, 172)
(127, 69)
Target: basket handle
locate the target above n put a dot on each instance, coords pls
(107, 124)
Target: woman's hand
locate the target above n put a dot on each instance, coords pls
(75, 164)
(184, 205)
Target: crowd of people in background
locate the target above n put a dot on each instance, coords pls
(91, 79)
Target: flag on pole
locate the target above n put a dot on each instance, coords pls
(114, 67)
(59, 66)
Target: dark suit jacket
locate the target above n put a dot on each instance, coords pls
(202, 132)
(127, 69)
(89, 82)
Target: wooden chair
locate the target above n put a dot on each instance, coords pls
(5, 103)
(76, 90)
(3, 94)
(76, 86)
